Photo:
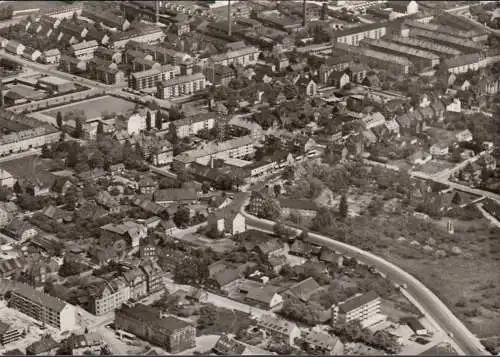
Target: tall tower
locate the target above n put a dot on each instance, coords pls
(229, 18)
(304, 13)
(157, 11)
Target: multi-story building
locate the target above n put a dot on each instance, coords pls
(136, 280)
(108, 54)
(234, 148)
(51, 56)
(193, 124)
(154, 275)
(162, 154)
(409, 25)
(147, 35)
(9, 334)
(44, 308)
(287, 330)
(476, 32)
(107, 296)
(180, 86)
(244, 56)
(440, 50)
(174, 334)
(219, 74)
(377, 59)
(352, 36)
(84, 50)
(150, 78)
(159, 54)
(421, 59)
(361, 307)
(331, 65)
(459, 43)
(465, 63)
(25, 133)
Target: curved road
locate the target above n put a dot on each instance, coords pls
(431, 303)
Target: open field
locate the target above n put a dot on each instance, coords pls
(435, 166)
(94, 108)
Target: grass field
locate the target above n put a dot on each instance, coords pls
(93, 108)
(435, 166)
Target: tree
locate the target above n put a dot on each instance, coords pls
(288, 173)
(158, 120)
(270, 209)
(79, 127)
(282, 231)
(322, 220)
(277, 189)
(148, 121)
(343, 207)
(181, 216)
(100, 130)
(59, 119)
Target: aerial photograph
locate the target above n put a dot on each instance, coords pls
(250, 177)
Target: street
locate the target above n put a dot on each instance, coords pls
(431, 305)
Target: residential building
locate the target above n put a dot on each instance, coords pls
(439, 150)
(147, 251)
(219, 74)
(43, 308)
(227, 220)
(181, 86)
(323, 342)
(193, 124)
(84, 50)
(404, 7)
(20, 230)
(464, 135)
(307, 87)
(305, 208)
(151, 77)
(256, 131)
(154, 274)
(14, 47)
(170, 195)
(228, 346)
(130, 231)
(136, 280)
(108, 54)
(464, 63)
(331, 65)
(411, 25)
(136, 122)
(361, 307)
(421, 59)
(279, 327)
(162, 154)
(352, 36)
(462, 23)
(245, 56)
(373, 120)
(51, 56)
(80, 344)
(266, 297)
(31, 54)
(107, 296)
(72, 64)
(8, 334)
(6, 179)
(171, 333)
(234, 148)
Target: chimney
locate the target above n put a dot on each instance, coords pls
(1, 95)
(229, 18)
(157, 12)
(304, 8)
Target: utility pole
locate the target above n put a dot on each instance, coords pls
(304, 13)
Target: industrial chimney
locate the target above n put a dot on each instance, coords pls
(304, 13)
(157, 12)
(1, 95)
(229, 18)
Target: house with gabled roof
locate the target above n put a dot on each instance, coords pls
(303, 289)
(282, 328)
(228, 220)
(266, 297)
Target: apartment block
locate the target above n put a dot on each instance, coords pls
(244, 56)
(150, 78)
(180, 86)
(193, 124)
(352, 36)
(44, 308)
(84, 50)
(361, 307)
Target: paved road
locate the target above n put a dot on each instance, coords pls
(433, 306)
(49, 70)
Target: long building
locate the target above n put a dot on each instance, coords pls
(234, 148)
(462, 23)
(440, 50)
(361, 307)
(413, 24)
(421, 59)
(150, 78)
(193, 124)
(148, 35)
(352, 36)
(377, 59)
(181, 86)
(44, 308)
(459, 43)
(244, 56)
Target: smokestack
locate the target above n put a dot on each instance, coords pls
(304, 15)
(157, 12)
(1, 95)
(229, 18)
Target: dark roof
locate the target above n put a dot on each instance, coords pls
(43, 299)
(262, 294)
(229, 346)
(357, 301)
(15, 352)
(359, 29)
(270, 246)
(151, 316)
(300, 247)
(329, 256)
(226, 276)
(4, 328)
(175, 194)
(298, 204)
(43, 346)
(414, 324)
(304, 289)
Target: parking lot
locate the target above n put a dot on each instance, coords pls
(20, 321)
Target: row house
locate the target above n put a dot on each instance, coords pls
(84, 50)
(180, 86)
(151, 77)
(108, 54)
(147, 35)
(464, 63)
(244, 56)
(71, 28)
(193, 124)
(52, 56)
(461, 23)
(352, 36)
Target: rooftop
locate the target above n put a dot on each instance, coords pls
(357, 301)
